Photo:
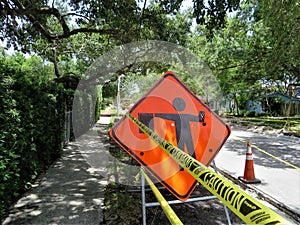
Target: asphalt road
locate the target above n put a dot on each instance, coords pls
(276, 164)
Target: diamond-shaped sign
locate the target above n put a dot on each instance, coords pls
(172, 111)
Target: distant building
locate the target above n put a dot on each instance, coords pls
(253, 106)
(283, 105)
(294, 90)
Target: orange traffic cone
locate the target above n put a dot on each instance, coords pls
(249, 177)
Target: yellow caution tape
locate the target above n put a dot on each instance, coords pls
(171, 215)
(269, 154)
(244, 206)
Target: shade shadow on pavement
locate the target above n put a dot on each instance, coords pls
(70, 192)
(272, 143)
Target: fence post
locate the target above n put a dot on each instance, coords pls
(67, 127)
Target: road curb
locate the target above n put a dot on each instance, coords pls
(262, 196)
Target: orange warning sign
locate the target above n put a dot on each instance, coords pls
(173, 112)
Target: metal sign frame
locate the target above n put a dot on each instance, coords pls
(196, 199)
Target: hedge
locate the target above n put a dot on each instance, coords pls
(32, 122)
(31, 129)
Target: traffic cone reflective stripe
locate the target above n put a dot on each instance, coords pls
(249, 157)
(249, 176)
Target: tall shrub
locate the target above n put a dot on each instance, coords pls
(31, 127)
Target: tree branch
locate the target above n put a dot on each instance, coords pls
(246, 62)
(236, 65)
(42, 11)
(32, 14)
(32, 19)
(86, 30)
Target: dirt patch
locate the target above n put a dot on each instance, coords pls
(123, 205)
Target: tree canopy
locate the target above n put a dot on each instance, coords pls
(60, 29)
(257, 52)
(23, 19)
(257, 46)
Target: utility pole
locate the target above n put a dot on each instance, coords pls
(118, 94)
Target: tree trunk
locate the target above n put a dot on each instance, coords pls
(56, 69)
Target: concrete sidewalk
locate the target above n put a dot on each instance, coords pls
(71, 191)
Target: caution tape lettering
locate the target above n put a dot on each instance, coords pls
(259, 217)
(215, 183)
(244, 206)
